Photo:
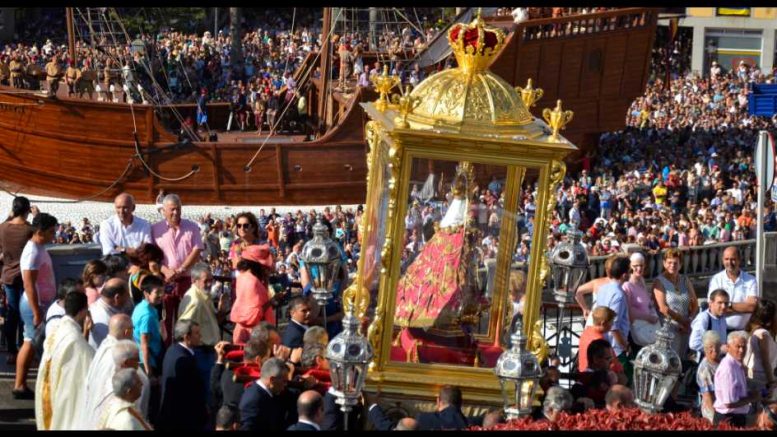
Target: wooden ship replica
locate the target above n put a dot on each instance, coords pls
(90, 150)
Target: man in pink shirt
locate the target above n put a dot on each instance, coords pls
(181, 243)
(732, 401)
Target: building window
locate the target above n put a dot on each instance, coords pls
(732, 12)
(729, 47)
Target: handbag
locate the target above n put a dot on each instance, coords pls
(644, 333)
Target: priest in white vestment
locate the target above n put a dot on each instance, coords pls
(116, 351)
(60, 387)
(121, 414)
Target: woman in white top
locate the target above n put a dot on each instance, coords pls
(761, 356)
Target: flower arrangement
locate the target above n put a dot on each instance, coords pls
(631, 419)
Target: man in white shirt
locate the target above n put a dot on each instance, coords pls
(124, 232)
(114, 297)
(741, 288)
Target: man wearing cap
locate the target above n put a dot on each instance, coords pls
(181, 243)
(33, 74)
(71, 77)
(53, 74)
(16, 67)
(5, 71)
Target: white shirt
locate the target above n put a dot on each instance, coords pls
(114, 234)
(744, 287)
(314, 425)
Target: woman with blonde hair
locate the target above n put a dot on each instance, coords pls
(676, 300)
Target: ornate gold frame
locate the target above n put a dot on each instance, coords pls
(401, 146)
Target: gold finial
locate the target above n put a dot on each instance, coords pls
(474, 45)
(383, 85)
(530, 95)
(406, 105)
(557, 119)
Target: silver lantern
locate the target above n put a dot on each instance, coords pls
(322, 261)
(656, 371)
(568, 266)
(519, 376)
(349, 354)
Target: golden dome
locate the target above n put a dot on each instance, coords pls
(470, 98)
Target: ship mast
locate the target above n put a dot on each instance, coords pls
(326, 70)
(71, 38)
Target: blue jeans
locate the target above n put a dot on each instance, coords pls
(28, 318)
(13, 322)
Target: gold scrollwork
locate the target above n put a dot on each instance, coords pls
(375, 330)
(557, 171)
(383, 85)
(537, 344)
(356, 298)
(529, 94)
(406, 104)
(557, 119)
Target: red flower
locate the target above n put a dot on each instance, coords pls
(621, 420)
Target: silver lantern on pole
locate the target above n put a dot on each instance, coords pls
(568, 265)
(322, 262)
(349, 354)
(656, 371)
(519, 374)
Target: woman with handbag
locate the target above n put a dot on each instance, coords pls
(642, 310)
(761, 356)
(252, 302)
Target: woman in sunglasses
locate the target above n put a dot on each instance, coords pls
(247, 233)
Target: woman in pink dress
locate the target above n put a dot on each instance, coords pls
(252, 302)
(94, 277)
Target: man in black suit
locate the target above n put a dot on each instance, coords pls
(334, 419)
(299, 315)
(264, 405)
(310, 409)
(448, 415)
(225, 391)
(183, 393)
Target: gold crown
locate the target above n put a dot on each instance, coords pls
(474, 45)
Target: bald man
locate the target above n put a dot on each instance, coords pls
(741, 287)
(124, 232)
(619, 396)
(407, 424)
(310, 412)
(114, 299)
(102, 367)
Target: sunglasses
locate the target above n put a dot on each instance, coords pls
(243, 226)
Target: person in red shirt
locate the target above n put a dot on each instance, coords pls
(602, 323)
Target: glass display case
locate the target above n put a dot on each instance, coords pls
(460, 189)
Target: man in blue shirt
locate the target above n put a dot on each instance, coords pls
(611, 296)
(714, 319)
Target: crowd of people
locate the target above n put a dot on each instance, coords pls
(141, 341)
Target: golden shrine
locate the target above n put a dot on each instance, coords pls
(433, 318)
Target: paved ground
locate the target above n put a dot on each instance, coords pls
(14, 414)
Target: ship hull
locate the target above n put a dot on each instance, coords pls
(86, 150)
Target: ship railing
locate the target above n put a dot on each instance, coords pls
(585, 24)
